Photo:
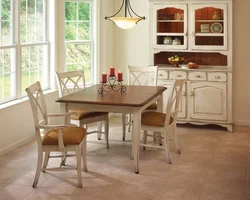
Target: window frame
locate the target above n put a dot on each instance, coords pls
(92, 41)
(17, 46)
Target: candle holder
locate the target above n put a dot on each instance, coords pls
(111, 85)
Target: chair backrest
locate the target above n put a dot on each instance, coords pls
(146, 75)
(70, 82)
(174, 101)
(38, 106)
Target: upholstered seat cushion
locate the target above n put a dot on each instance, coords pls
(151, 118)
(153, 106)
(71, 136)
(81, 114)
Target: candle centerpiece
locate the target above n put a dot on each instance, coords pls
(111, 83)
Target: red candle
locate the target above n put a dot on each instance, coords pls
(104, 77)
(112, 71)
(119, 76)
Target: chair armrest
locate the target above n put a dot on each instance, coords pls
(66, 115)
(42, 126)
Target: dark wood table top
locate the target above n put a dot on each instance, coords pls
(135, 96)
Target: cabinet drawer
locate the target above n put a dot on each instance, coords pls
(162, 74)
(177, 74)
(197, 76)
(217, 77)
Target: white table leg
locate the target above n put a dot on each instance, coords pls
(136, 138)
(160, 104)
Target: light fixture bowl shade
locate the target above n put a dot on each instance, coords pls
(125, 22)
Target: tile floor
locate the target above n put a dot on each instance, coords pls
(214, 165)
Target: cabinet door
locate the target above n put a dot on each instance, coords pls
(209, 26)
(208, 100)
(182, 106)
(170, 26)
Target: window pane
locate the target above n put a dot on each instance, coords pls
(70, 31)
(7, 76)
(34, 66)
(78, 53)
(84, 31)
(78, 56)
(84, 11)
(70, 11)
(5, 23)
(5, 10)
(32, 21)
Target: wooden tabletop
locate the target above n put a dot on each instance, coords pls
(136, 96)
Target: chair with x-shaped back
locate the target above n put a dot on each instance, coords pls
(55, 138)
(163, 124)
(140, 75)
(73, 81)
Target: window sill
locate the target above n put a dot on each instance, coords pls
(22, 100)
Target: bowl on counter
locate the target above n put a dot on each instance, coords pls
(176, 63)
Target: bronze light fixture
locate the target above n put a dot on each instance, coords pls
(128, 21)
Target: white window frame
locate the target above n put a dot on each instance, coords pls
(17, 46)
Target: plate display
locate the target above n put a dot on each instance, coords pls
(216, 28)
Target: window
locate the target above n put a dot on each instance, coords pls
(24, 48)
(79, 40)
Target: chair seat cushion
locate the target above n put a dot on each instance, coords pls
(71, 136)
(152, 118)
(81, 114)
(153, 106)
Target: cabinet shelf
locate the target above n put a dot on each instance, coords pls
(170, 34)
(163, 20)
(210, 34)
(209, 20)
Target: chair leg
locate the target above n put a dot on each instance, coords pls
(84, 153)
(38, 167)
(167, 150)
(99, 126)
(159, 138)
(145, 134)
(176, 141)
(107, 131)
(79, 165)
(45, 161)
(123, 126)
(130, 121)
(63, 159)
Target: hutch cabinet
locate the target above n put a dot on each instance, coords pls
(200, 32)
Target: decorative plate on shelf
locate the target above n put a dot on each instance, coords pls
(216, 28)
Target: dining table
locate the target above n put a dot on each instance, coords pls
(134, 100)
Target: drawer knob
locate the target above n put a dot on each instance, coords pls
(217, 77)
(160, 74)
(197, 76)
(192, 93)
(179, 76)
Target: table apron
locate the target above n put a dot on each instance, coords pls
(108, 108)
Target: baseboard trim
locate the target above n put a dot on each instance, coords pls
(242, 123)
(17, 144)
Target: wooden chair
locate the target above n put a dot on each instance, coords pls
(69, 82)
(145, 75)
(55, 138)
(162, 124)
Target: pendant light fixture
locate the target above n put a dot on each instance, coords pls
(127, 21)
